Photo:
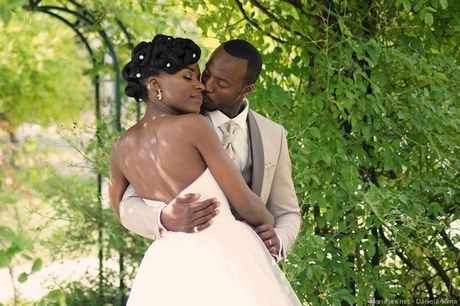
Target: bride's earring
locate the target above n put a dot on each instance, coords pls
(160, 95)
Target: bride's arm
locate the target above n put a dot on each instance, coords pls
(117, 183)
(229, 178)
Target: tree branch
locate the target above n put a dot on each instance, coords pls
(254, 24)
(454, 292)
(400, 254)
(452, 247)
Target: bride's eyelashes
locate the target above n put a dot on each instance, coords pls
(191, 78)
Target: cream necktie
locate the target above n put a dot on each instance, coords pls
(229, 129)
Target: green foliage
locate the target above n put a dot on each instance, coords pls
(89, 293)
(40, 69)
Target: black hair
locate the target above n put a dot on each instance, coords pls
(163, 53)
(243, 49)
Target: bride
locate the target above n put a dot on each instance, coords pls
(174, 150)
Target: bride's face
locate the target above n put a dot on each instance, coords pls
(182, 91)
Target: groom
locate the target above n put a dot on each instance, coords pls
(260, 149)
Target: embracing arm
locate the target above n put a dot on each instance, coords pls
(151, 219)
(246, 203)
(139, 216)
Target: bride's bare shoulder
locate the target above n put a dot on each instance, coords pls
(194, 122)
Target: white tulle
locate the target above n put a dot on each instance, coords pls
(226, 264)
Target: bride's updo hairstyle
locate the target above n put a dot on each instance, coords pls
(163, 53)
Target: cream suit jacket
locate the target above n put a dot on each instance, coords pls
(272, 176)
(271, 180)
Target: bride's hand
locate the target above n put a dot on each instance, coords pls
(185, 214)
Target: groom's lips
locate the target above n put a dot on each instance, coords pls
(206, 99)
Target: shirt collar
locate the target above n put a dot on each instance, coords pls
(218, 118)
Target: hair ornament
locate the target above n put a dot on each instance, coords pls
(168, 65)
(141, 57)
(193, 55)
(138, 75)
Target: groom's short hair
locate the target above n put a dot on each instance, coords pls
(243, 49)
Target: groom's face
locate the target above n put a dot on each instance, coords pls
(224, 78)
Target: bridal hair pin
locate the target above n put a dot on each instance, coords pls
(193, 55)
(168, 65)
(141, 57)
(138, 75)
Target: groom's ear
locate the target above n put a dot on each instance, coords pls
(248, 89)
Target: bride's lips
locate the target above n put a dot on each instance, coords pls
(198, 98)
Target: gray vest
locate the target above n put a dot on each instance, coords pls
(247, 175)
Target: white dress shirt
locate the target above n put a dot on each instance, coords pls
(241, 142)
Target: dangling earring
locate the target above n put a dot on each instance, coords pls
(160, 95)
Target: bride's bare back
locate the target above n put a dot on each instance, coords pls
(159, 157)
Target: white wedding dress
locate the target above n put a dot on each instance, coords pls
(225, 264)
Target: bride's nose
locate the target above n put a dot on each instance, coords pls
(200, 86)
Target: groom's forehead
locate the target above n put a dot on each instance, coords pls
(221, 64)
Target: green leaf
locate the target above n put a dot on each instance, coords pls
(444, 3)
(429, 19)
(56, 295)
(329, 215)
(344, 29)
(7, 233)
(23, 277)
(309, 273)
(320, 255)
(5, 258)
(37, 265)
(315, 132)
(6, 15)
(407, 5)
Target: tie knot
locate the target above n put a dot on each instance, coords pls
(229, 127)
(228, 132)
(230, 136)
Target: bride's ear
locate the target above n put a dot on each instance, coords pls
(153, 83)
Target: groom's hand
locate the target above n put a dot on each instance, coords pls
(185, 214)
(269, 237)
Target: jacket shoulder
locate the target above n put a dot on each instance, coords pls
(265, 122)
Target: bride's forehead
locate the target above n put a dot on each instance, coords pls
(194, 68)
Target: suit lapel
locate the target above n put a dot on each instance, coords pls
(258, 161)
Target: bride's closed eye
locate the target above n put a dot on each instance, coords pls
(191, 77)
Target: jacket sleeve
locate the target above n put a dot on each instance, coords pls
(141, 216)
(282, 200)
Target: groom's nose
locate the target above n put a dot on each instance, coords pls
(208, 84)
